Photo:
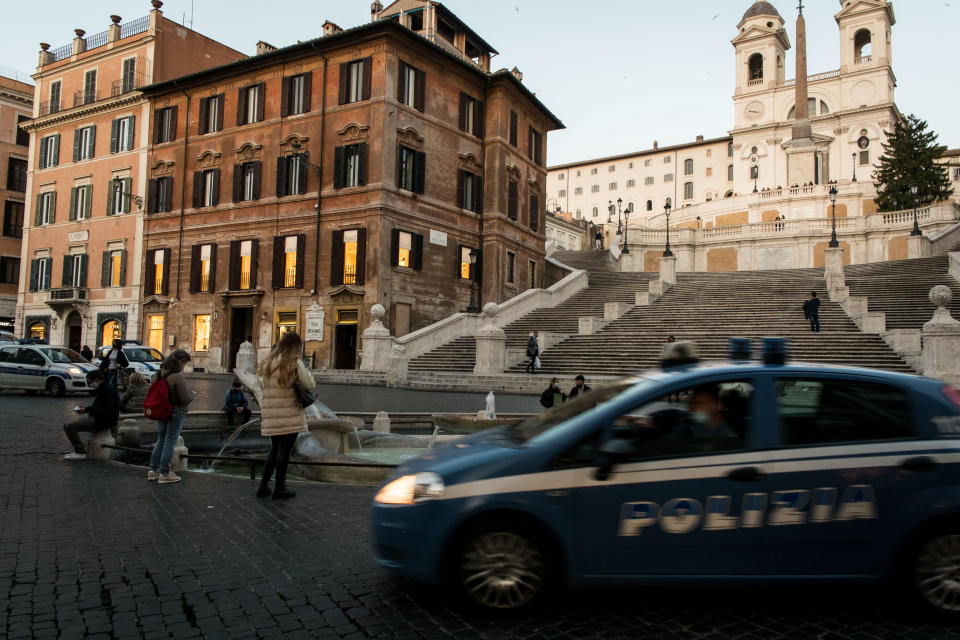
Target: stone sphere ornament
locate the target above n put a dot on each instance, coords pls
(377, 311)
(490, 309)
(941, 295)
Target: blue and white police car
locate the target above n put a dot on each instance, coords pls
(741, 472)
(41, 367)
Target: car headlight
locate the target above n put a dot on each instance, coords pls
(411, 488)
(75, 371)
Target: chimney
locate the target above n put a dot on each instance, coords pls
(655, 145)
(699, 138)
(330, 29)
(264, 47)
(517, 74)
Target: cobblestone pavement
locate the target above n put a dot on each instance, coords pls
(92, 550)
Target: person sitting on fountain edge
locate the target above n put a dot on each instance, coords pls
(236, 404)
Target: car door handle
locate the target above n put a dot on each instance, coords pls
(746, 474)
(919, 463)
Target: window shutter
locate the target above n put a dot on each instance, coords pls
(123, 266)
(114, 136)
(88, 202)
(43, 153)
(67, 279)
(478, 120)
(36, 213)
(261, 96)
(362, 161)
(130, 131)
(77, 135)
(530, 142)
(367, 75)
(281, 176)
(82, 280)
(127, 188)
(478, 267)
(277, 262)
(110, 198)
(420, 86)
(237, 182)
(213, 268)
(361, 254)
(241, 106)
(105, 269)
(216, 187)
(458, 261)
(47, 273)
(338, 163)
(344, 83)
(233, 279)
(307, 89)
(461, 178)
(165, 288)
(53, 207)
(256, 180)
(401, 82)
(195, 268)
(336, 258)
(34, 267)
(395, 247)
(157, 121)
(73, 204)
(302, 178)
(254, 252)
(56, 151)
(149, 277)
(301, 259)
(418, 252)
(534, 213)
(173, 122)
(512, 196)
(477, 194)
(285, 85)
(197, 188)
(463, 111)
(204, 112)
(419, 171)
(399, 167)
(513, 128)
(92, 150)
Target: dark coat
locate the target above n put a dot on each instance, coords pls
(105, 408)
(550, 396)
(533, 348)
(235, 399)
(122, 362)
(575, 391)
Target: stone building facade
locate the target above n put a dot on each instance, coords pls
(295, 189)
(16, 106)
(87, 175)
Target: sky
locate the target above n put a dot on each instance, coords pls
(618, 73)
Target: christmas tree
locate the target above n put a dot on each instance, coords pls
(909, 157)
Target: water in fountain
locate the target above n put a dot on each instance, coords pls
(433, 438)
(233, 436)
(357, 433)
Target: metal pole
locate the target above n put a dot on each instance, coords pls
(666, 252)
(916, 225)
(854, 166)
(833, 231)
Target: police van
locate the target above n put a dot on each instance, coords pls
(739, 471)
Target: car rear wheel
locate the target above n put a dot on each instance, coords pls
(55, 387)
(932, 574)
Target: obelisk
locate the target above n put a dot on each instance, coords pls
(801, 152)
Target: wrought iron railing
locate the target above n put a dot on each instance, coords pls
(134, 27)
(48, 107)
(130, 83)
(128, 29)
(13, 74)
(62, 53)
(97, 40)
(85, 97)
(66, 294)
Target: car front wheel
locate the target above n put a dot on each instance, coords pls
(55, 387)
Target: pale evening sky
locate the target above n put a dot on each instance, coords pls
(618, 73)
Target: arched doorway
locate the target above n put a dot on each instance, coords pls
(109, 331)
(74, 331)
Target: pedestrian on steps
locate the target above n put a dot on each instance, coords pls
(598, 239)
(811, 311)
(282, 418)
(533, 352)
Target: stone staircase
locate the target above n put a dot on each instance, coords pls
(901, 288)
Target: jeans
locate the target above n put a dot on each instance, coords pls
(167, 433)
(280, 449)
(815, 322)
(75, 427)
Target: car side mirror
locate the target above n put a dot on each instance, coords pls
(613, 451)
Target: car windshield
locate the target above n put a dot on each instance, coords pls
(62, 355)
(143, 354)
(547, 424)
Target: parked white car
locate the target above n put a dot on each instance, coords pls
(41, 367)
(142, 358)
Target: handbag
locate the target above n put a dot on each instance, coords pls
(536, 362)
(304, 396)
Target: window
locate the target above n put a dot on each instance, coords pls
(595, 188)
(755, 67)
(956, 174)
(128, 79)
(54, 98)
(862, 46)
(531, 274)
(612, 186)
(250, 102)
(74, 270)
(648, 180)
(203, 268)
(118, 200)
(201, 332)
(668, 177)
(578, 191)
(411, 86)
(40, 270)
(113, 268)
(291, 176)
(155, 332)
(46, 212)
(534, 212)
(688, 167)
(649, 205)
(121, 134)
(511, 262)
(158, 270)
(513, 199)
(211, 114)
(406, 249)
(355, 81)
(593, 171)
(49, 151)
(647, 162)
(612, 168)
(13, 219)
(469, 191)
(729, 149)
(631, 183)
(246, 181)
(350, 166)
(687, 190)
(471, 115)
(729, 173)
(513, 128)
(80, 202)
(295, 94)
(349, 250)
(23, 138)
(164, 125)
(243, 264)
(629, 165)
(89, 86)
(160, 195)
(289, 253)
(411, 169)
(206, 188)
(709, 153)
(596, 212)
(9, 270)
(709, 172)
(17, 175)
(562, 193)
(84, 140)
(820, 411)
(864, 157)
(535, 151)
(667, 160)
(465, 270)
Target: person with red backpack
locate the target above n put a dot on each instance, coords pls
(168, 430)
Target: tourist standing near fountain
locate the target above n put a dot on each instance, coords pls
(169, 430)
(282, 418)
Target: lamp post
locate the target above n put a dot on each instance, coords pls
(698, 222)
(472, 307)
(833, 231)
(619, 223)
(854, 166)
(626, 225)
(666, 252)
(914, 188)
(304, 157)
(118, 188)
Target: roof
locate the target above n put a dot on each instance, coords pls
(760, 8)
(651, 151)
(319, 45)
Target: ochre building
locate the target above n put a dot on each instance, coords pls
(16, 106)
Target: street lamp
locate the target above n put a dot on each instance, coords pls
(304, 157)
(619, 223)
(698, 222)
(626, 225)
(854, 166)
(472, 307)
(666, 252)
(118, 188)
(914, 188)
(833, 232)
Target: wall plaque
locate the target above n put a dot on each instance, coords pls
(438, 237)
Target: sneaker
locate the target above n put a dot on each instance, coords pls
(75, 456)
(168, 477)
(151, 475)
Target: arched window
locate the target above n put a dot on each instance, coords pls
(687, 190)
(688, 167)
(728, 194)
(110, 331)
(630, 207)
(649, 205)
(729, 149)
(595, 212)
(755, 67)
(814, 107)
(862, 46)
(729, 173)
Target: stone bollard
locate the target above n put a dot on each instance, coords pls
(941, 340)
(377, 342)
(668, 270)
(397, 366)
(95, 448)
(179, 462)
(833, 266)
(381, 423)
(491, 354)
(613, 310)
(128, 433)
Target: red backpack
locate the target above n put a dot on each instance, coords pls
(157, 404)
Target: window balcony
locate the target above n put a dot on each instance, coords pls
(85, 97)
(67, 296)
(48, 107)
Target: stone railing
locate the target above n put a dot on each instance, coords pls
(817, 76)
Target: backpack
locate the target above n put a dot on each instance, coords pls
(157, 404)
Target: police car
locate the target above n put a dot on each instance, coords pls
(712, 472)
(34, 368)
(142, 358)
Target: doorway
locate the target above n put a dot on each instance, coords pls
(241, 327)
(74, 331)
(345, 345)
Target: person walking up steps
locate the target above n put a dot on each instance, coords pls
(533, 351)
(811, 311)
(169, 430)
(282, 418)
